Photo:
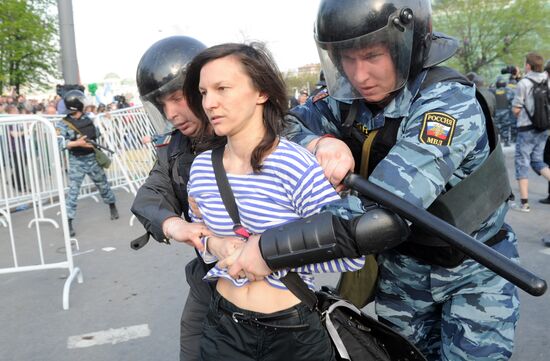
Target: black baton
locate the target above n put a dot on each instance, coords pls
(97, 145)
(488, 257)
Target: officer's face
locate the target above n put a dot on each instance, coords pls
(370, 71)
(231, 102)
(179, 114)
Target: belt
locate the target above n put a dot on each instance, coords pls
(242, 318)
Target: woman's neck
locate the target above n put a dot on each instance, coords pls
(241, 145)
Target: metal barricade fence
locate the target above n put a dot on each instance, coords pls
(124, 132)
(31, 173)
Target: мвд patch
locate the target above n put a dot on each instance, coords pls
(437, 129)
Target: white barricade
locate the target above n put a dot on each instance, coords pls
(124, 132)
(121, 130)
(31, 173)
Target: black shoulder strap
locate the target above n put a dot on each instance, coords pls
(224, 187)
(299, 288)
(439, 74)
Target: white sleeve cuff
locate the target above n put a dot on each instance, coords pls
(207, 257)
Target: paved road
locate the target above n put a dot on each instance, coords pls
(131, 301)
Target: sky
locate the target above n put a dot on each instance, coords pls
(111, 36)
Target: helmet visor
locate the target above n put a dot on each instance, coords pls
(153, 105)
(346, 63)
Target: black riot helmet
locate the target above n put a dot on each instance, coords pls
(501, 82)
(162, 68)
(74, 101)
(403, 26)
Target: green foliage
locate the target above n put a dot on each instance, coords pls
(300, 81)
(28, 43)
(494, 33)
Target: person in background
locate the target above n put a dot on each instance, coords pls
(76, 129)
(50, 110)
(530, 142)
(18, 158)
(504, 119)
(487, 94)
(302, 97)
(321, 84)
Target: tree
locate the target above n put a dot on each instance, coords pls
(28, 43)
(300, 81)
(492, 33)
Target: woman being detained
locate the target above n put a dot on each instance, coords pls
(238, 89)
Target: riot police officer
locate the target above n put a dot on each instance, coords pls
(503, 113)
(77, 129)
(161, 204)
(417, 130)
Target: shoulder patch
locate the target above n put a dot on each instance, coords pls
(437, 129)
(321, 95)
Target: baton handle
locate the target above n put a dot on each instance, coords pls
(485, 255)
(97, 145)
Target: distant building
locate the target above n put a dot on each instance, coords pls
(310, 69)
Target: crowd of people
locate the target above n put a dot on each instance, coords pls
(20, 104)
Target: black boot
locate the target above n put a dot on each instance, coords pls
(114, 211)
(72, 233)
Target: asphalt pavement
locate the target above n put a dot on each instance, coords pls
(130, 302)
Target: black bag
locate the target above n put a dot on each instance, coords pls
(354, 335)
(541, 112)
(357, 336)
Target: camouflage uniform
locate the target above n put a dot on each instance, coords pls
(79, 166)
(504, 120)
(462, 313)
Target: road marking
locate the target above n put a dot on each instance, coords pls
(83, 252)
(112, 336)
(108, 249)
(545, 251)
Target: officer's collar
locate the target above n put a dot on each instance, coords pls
(401, 103)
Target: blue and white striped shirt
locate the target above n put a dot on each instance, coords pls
(290, 186)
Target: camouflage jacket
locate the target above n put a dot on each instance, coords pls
(441, 139)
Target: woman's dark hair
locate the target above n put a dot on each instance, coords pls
(266, 78)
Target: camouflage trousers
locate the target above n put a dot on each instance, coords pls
(462, 313)
(79, 167)
(506, 124)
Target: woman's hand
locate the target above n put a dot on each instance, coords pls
(223, 247)
(247, 259)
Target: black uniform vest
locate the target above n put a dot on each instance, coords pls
(86, 126)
